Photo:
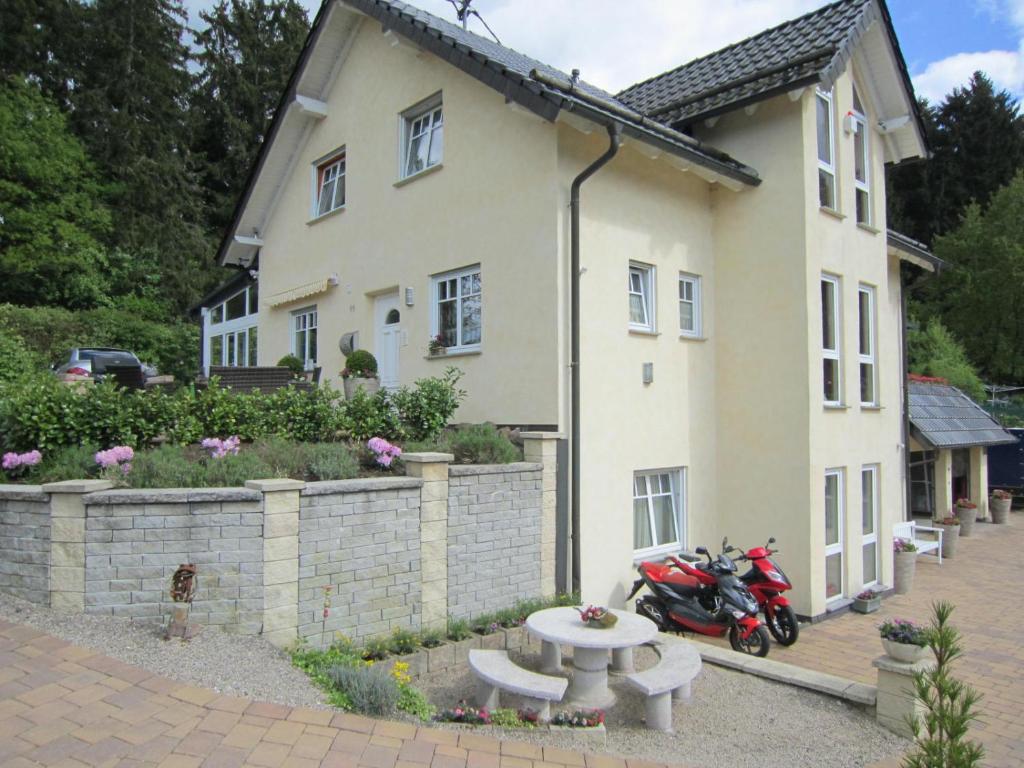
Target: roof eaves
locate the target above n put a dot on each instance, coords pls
(900, 242)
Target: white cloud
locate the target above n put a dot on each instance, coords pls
(1006, 68)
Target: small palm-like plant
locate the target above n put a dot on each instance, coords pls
(950, 705)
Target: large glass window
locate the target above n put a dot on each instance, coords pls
(689, 305)
(869, 523)
(641, 297)
(304, 327)
(866, 345)
(423, 139)
(231, 329)
(826, 150)
(830, 339)
(457, 305)
(330, 185)
(834, 517)
(861, 161)
(657, 511)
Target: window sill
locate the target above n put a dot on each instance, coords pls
(639, 555)
(458, 353)
(836, 407)
(643, 332)
(690, 337)
(832, 212)
(870, 407)
(868, 228)
(321, 217)
(419, 175)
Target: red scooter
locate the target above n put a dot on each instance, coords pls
(703, 597)
(766, 583)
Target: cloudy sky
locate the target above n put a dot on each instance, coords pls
(617, 42)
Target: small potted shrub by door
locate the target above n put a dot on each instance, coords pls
(950, 527)
(867, 601)
(967, 511)
(904, 558)
(360, 373)
(999, 506)
(903, 640)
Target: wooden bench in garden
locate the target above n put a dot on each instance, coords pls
(911, 530)
(669, 679)
(495, 672)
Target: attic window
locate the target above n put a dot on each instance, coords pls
(826, 150)
(422, 137)
(330, 185)
(861, 161)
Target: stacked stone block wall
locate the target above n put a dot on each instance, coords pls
(361, 538)
(135, 540)
(25, 543)
(494, 536)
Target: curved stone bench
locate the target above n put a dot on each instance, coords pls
(669, 679)
(496, 672)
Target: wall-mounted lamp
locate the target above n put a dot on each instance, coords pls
(409, 297)
(648, 373)
(333, 279)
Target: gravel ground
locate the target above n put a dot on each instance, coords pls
(238, 665)
(733, 719)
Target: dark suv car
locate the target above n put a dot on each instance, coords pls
(94, 361)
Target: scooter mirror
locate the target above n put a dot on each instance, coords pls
(771, 540)
(725, 544)
(701, 550)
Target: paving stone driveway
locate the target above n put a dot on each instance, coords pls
(61, 705)
(986, 583)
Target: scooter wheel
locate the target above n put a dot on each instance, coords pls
(652, 611)
(757, 644)
(783, 625)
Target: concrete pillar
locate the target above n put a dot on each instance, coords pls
(542, 448)
(979, 479)
(944, 483)
(67, 541)
(896, 705)
(281, 500)
(432, 468)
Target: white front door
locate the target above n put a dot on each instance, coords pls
(389, 334)
(835, 521)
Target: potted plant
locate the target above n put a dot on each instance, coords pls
(967, 511)
(293, 364)
(436, 346)
(903, 640)
(950, 527)
(360, 373)
(999, 506)
(867, 601)
(904, 559)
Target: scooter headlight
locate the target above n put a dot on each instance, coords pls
(737, 614)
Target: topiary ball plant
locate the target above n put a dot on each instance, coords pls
(292, 363)
(361, 365)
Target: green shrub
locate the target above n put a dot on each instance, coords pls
(427, 408)
(367, 416)
(482, 444)
(331, 461)
(458, 629)
(307, 415)
(371, 690)
(166, 467)
(16, 358)
(72, 462)
(402, 641)
(431, 638)
(376, 648)
(233, 470)
(485, 624)
(360, 364)
(413, 701)
(506, 718)
(292, 363)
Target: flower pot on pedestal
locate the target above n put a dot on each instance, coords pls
(354, 383)
(905, 652)
(950, 528)
(903, 571)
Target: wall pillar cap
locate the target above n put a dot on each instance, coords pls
(428, 457)
(276, 484)
(889, 664)
(77, 486)
(542, 435)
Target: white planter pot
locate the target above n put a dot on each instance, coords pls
(967, 517)
(950, 536)
(353, 384)
(904, 652)
(903, 571)
(999, 509)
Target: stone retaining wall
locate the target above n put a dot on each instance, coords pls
(25, 542)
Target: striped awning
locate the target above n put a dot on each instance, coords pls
(301, 291)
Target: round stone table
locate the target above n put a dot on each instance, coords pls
(589, 684)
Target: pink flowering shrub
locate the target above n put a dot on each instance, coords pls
(118, 458)
(13, 462)
(384, 452)
(220, 448)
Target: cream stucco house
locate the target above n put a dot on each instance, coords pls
(732, 365)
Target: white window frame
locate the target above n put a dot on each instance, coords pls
(859, 122)
(834, 353)
(337, 158)
(678, 480)
(837, 547)
(435, 306)
(239, 329)
(698, 311)
(434, 108)
(309, 314)
(870, 358)
(645, 273)
(868, 539)
(828, 167)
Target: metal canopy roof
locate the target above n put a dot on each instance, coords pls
(942, 416)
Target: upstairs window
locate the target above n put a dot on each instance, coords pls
(330, 185)
(457, 304)
(689, 305)
(866, 350)
(826, 150)
(861, 161)
(641, 297)
(423, 138)
(830, 335)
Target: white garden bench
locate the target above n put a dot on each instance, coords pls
(910, 530)
(495, 672)
(669, 679)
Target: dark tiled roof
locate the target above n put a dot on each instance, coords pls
(947, 418)
(787, 56)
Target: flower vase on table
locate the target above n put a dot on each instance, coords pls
(597, 617)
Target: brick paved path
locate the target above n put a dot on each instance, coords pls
(986, 583)
(61, 705)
